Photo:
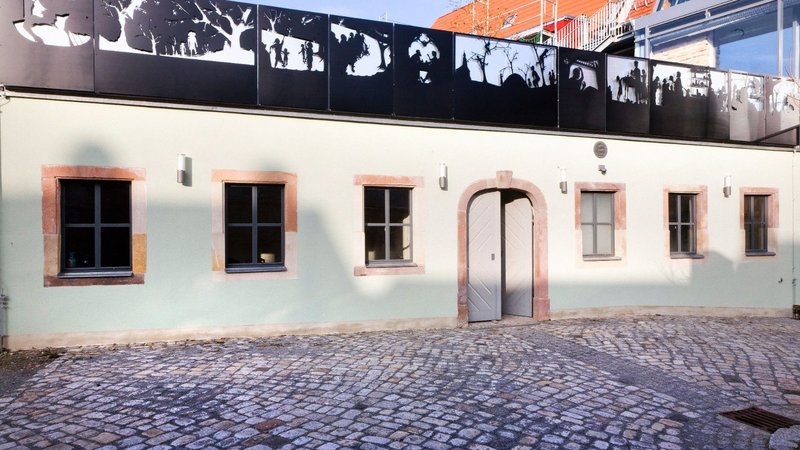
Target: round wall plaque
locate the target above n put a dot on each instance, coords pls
(600, 149)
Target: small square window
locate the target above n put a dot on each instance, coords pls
(254, 227)
(756, 223)
(387, 225)
(759, 221)
(389, 235)
(96, 227)
(682, 224)
(600, 221)
(597, 223)
(94, 224)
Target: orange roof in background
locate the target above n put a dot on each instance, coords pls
(642, 8)
(528, 15)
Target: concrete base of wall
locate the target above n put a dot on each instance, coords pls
(30, 341)
(617, 311)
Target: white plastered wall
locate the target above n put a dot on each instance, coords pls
(180, 298)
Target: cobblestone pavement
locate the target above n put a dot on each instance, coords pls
(654, 382)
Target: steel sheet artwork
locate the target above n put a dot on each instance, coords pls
(293, 58)
(719, 117)
(504, 81)
(231, 53)
(423, 73)
(627, 95)
(201, 50)
(782, 110)
(582, 90)
(747, 105)
(361, 66)
(47, 44)
(680, 100)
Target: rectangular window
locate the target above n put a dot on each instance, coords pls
(95, 227)
(756, 223)
(387, 225)
(597, 223)
(682, 224)
(254, 227)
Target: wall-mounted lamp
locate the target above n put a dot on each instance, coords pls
(563, 184)
(443, 176)
(726, 186)
(181, 168)
(602, 169)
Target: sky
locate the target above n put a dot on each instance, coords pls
(421, 13)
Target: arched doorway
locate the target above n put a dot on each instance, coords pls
(493, 274)
(499, 255)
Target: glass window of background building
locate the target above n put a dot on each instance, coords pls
(749, 36)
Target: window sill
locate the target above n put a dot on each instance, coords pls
(280, 268)
(389, 269)
(757, 254)
(686, 256)
(385, 264)
(94, 279)
(590, 258)
(98, 274)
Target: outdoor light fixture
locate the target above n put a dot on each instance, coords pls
(602, 169)
(181, 168)
(563, 184)
(726, 186)
(443, 176)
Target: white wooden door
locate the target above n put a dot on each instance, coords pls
(518, 255)
(484, 285)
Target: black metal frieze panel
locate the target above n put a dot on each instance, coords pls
(423, 72)
(201, 50)
(627, 95)
(504, 82)
(748, 113)
(47, 44)
(361, 66)
(293, 58)
(782, 110)
(582, 90)
(719, 114)
(680, 100)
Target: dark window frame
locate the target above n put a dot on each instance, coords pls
(752, 247)
(594, 224)
(98, 270)
(254, 225)
(387, 225)
(681, 223)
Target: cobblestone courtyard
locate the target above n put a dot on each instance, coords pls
(650, 382)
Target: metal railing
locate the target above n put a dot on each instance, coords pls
(590, 32)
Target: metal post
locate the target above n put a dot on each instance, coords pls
(555, 21)
(779, 25)
(541, 21)
(795, 47)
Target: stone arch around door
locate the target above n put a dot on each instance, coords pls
(504, 180)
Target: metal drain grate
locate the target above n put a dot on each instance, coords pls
(761, 419)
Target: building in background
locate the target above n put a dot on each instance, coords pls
(743, 35)
(755, 36)
(596, 25)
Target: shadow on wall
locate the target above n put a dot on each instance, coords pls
(715, 281)
(179, 292)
